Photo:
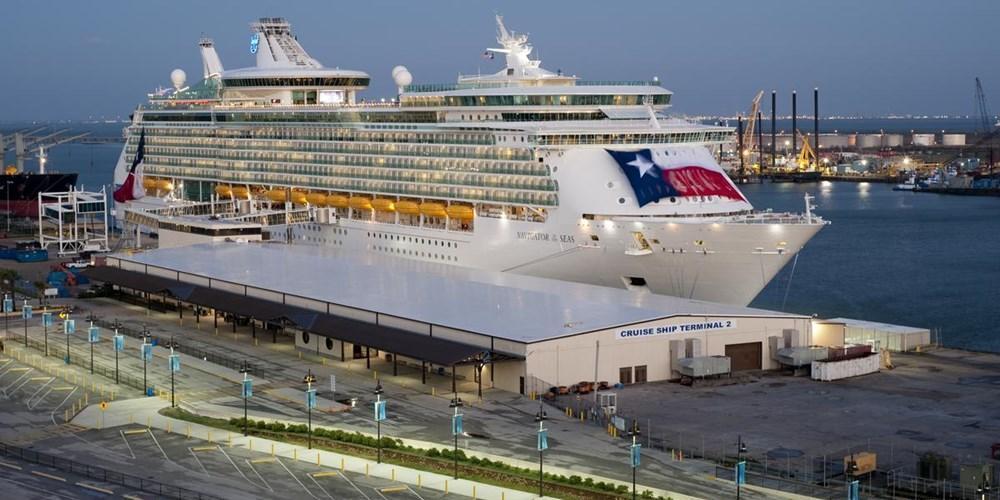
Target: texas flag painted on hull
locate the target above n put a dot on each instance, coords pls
(132, 189)
(679, 172)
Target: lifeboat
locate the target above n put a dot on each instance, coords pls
(316, 199)
(149, 183)
(360, 203)
(384, 205)
(433, 209)
(298, 197)
(240, 192)
(222, 190)
(277, 195)
(164, 185)
(408, 207)
(461, 212)
(337, 201)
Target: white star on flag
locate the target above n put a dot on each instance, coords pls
(642, 164)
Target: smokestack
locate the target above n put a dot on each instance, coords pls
(774, 121)
(795, 143)
(816, 124)
(760, 143)
(739, 149)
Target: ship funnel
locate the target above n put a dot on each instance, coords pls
(211, 64)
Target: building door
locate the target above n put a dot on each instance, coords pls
(358, 352)
(745, 356)
(640, 374)
(522, 386)
(625, 375)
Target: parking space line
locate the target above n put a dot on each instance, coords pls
(43, 386)
(130, 452)
(379, 491)
(95, 488)
(254, 470)
(203, 448)
(196, 459)
(48, 476)
(132, 497)
(53, 414)
(46, 492)
(353, 485)
(157, 443)
(296, 478)
(414, 492)
(320, 486)
(240, 471)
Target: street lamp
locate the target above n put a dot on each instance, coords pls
(741, 465)
(7, 191)
(47, 321)
(309, 380)
(247, 390)
(635, 452)
(26, 315)
(8, 307)
(456, 426)
(69, 327)
(146, 353)
(174, 364)
(379, 417)
(93, 336)
(118, 342)
(542, 445)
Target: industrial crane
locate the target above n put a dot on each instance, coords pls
(805, 155)
(985, 119)
(751, 123)
(27, 143)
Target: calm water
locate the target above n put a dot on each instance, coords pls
(915, 259)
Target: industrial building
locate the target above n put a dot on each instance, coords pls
(513, 332)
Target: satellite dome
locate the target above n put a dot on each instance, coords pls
(401, 76)
(178, 77)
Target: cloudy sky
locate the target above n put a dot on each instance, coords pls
(72, 59)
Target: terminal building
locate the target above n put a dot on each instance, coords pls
(501, 330)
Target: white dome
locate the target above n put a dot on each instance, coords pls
(401, 76)
(178, 77)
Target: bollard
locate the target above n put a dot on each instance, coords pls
(209, 438)
(342, 463)
(419, 480)
(272, 449)
(445, 486)
(131, 418)
(147, 421)
(366, 470)
(295, 454)
(229, 440)
(503, 495)
(433, 391)
(374, 374)
(318, 463)
(473, 492)
(168, 426)
(189, 431)
(393, 473)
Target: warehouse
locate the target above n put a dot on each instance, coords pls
(512, 332)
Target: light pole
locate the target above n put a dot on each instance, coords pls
(635, 452)
(379, 417)
(7, 191)
(146, 352)
(309, 380)
(247, 390)
(543, 444)
(93, 335)
(26, 315)
(69, 326)
(47, 321)
(741, 465)
(118, 341)
(174, 365)
(456, 426)
(8, 307)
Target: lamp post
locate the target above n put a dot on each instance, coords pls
(984, 488)
(379, 417)
(26, 314)
(146, 352)
(309, 380)
(118, 342)
(853, 487)
(93, 335)
(7, 191)
(69, 326)
(247, 391)
(635, 452)
(542, 445)
(8, 307)
(174, 365)
(456, 426)
(741, 465)
(47, 321)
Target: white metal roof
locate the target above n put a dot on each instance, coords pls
(874, 325)
(504, 305)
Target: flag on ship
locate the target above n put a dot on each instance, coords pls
(662, 174)
(132, 188)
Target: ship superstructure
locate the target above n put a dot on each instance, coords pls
(525, 170)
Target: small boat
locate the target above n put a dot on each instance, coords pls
(909, 185)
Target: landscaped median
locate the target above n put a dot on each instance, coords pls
(436, 460)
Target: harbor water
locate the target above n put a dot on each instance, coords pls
(917, 259)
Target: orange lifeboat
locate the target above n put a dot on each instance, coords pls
(316, 199)
(360, 203)
(384, 205)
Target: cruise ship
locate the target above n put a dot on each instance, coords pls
(524, 170)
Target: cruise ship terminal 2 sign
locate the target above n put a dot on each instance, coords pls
(682, 328)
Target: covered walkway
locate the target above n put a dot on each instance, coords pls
(275, 315)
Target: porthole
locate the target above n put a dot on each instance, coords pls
(611, 185)
(305, 337)
(673, 199)
(621, 201)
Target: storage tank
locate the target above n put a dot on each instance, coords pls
(923, 139)
(953, 139)
(868, 141)
(834, 141)
(892, 140)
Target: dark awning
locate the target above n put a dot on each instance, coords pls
(384, 338)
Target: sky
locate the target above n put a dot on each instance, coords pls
(72, 59)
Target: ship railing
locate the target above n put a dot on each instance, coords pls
(446, 87)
